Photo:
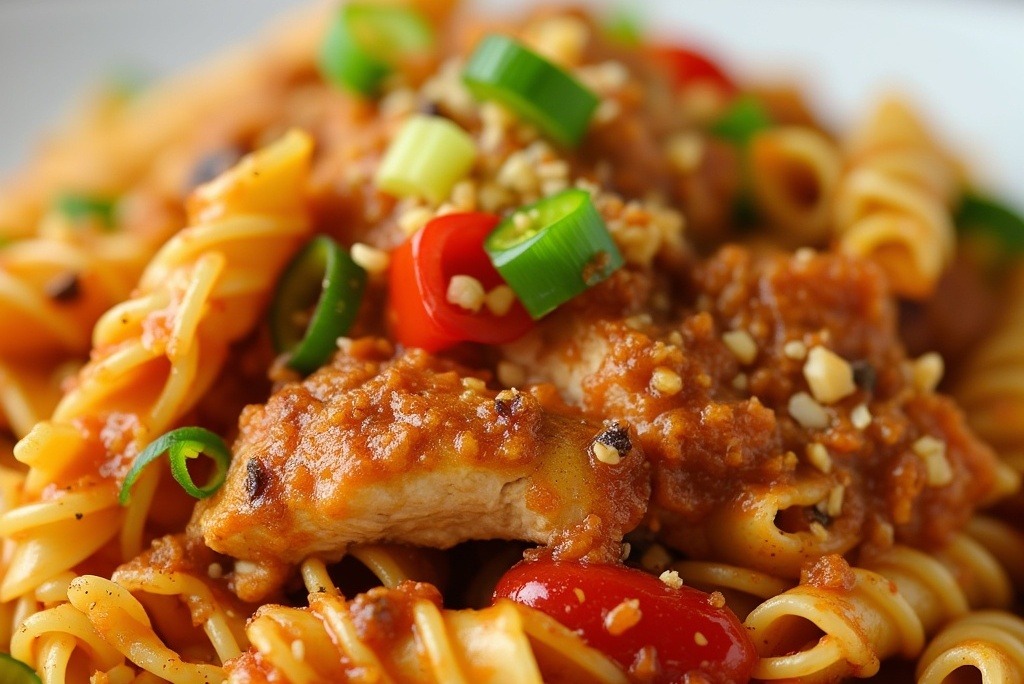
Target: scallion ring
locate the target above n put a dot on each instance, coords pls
(744, 118)
(984, 214)
(181, 445)
(427, 157)
(80, 207)
(323, 277)
(505, 71)
(13, 671)
(364, 41)
(553, 250)
(625, 28)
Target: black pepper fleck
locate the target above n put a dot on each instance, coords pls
(616, 435)
(64, 288)
(430, 108)
(255, 480)
(507, 403)
(864, 375)
(815, 515)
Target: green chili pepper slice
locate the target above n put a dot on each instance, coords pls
(182, 444)
(323, 277)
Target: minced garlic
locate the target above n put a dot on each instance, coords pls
(467, 292)
(741, 344)
(808, 412)
(829, 375)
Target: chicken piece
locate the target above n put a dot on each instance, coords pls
(415, 449)
(709, 394)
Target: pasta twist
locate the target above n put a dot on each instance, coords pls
(504, 643)
(154, 356)
(989, 641)
(1003, 542)
(893, 202)
(120, 146)
(991, 389)
(104, 269)
(53, 288)
(747, 532)
(794, 173)
(743, 588)
(117, 140)
(120, 634)
(819, 634)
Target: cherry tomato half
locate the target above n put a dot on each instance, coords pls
(624, 613)
(688, 67)
(421, 268)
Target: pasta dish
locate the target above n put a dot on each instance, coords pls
(409, 345)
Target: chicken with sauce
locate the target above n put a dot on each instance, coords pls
(415, 449)
(774, 371)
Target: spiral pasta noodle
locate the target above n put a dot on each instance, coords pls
(1003, 542)
(989, 642)
(53, 288)
(991, 386)
(893, 602)
(794, 173)
(743, 588)
(108, 148)
(108, 151)
(747, 532)
(506, 642)
(154, 356)
(893, 202)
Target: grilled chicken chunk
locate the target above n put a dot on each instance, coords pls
(416, 449)
(710, 391)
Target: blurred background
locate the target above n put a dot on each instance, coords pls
(961, 60)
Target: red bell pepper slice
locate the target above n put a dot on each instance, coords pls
(421, 268)
(688, 67)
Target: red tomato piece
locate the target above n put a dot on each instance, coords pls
(689, 67)
(421, 268)
(624, 613)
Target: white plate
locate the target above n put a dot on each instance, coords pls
(962, 61)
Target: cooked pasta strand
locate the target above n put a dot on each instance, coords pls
(893, 202)
(989, 642)
(820, 634)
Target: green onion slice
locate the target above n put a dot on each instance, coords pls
(624, 27)
(744, 118)
(364, 41)
(426, 159)
(987, 215)
(13, 671)
(181, 445)
(78, 207)
(502, 70)
(323, 277)
(553, 250)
